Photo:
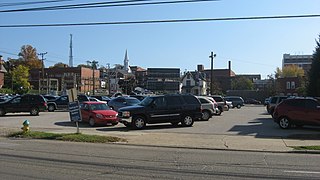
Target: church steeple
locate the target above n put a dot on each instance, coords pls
(126, 62)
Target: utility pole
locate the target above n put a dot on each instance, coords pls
(94, 65)
(212, 56)
(42, 59)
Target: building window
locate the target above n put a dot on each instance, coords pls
(288, 85)
(293, 85)
(188, 83)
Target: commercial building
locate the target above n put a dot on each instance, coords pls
(302, 61)
(163, 80)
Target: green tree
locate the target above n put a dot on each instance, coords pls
(20, 77)
(241, 83)
(59, 65)
(313, 87)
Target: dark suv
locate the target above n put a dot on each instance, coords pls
(62, 102)
(237, 101)
(174, 109)
(25, 103)
(298, 111)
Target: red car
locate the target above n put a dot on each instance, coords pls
(98, 113)
(297, 111)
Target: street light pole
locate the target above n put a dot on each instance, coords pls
(212, 56)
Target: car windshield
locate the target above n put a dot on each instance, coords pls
(146, 101)
(101, 106)
(132, 101)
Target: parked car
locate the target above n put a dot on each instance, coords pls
(267, 101)
(252, 101)
(208, 108)
(229, 104)
(217, 112)
(222, 105)
(98, 113)
(237, 101)
(25, 103)
(139, 97)
(122, 101)
(274, 101)
(50, 97)
(102, 98)
(97, 100)
(62, 102)
(297, 111)
(172, 109)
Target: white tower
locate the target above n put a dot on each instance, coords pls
(126, 63)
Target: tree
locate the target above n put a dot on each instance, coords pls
(29, 57)
(289, 71)
(20, 77)
(59, 65)
(241, 83)
(313, 87)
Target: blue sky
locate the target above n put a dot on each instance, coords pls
(254, 47)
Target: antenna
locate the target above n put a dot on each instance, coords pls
(70, 53)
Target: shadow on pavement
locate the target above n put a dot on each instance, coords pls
(149, 127)
(70, 124)
(267, 128)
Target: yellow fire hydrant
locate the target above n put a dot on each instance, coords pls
(26, 127)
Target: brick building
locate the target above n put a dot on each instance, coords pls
(57, 80)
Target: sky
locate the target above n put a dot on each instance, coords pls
(252, 46)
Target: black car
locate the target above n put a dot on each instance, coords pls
(25, 103)
(62, 102)
(162, 109)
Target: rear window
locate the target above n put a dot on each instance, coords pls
(218, 99)
(273, 100)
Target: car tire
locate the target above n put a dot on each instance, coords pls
(139, 122)
(187, 121)
(218, 113)
(92, 122)
(205, 115)
(2, 112)
(113, 124)
(284, 123)
(34, 111)
(51, 108)
(238, 106)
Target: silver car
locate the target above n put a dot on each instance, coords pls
(209, 108)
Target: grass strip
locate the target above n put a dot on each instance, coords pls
(75, 137)
(306, 147)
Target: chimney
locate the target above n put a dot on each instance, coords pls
(229, 67)
(200, 67)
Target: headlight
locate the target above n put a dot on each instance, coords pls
(126, 114)
(99, 116)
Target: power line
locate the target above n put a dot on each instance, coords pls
(162, 21)
(104, 4)
(31, 3)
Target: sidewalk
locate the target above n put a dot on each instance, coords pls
(197, 141)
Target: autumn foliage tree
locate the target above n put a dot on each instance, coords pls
(289, 71)
(29, 57)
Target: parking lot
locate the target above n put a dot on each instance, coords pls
(250, 120)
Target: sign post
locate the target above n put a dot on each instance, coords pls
(74, 108)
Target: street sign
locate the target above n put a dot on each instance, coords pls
(74, 111)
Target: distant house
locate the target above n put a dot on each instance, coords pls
(194, 83)
(289, 85)
(2, 72)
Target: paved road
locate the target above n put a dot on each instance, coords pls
(34, 159)
(249, 120)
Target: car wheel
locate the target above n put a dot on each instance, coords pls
(139, 122)
(205, 115)
(284, 123)
(127, 124)
(34, 111)
(51, 108)
(2, 112)
(238, 106)
(187, 121)
(113, 124)
(92, 122)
